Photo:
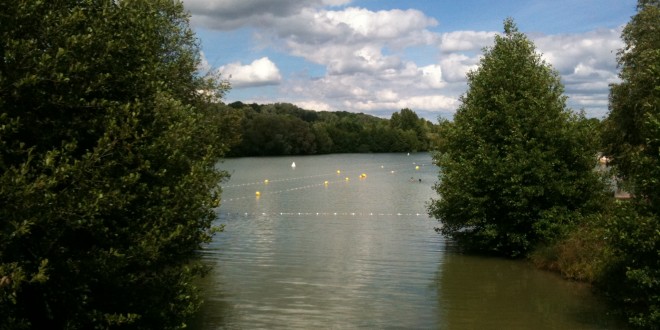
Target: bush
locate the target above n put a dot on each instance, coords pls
(579, 255)
(107, 154)
(516, 165)
(631, 278)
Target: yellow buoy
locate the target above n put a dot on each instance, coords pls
(417, 167)
(338, 172)
(325, 182)
(266, 181)
(363, 176)
(347, 178)
(258, 194)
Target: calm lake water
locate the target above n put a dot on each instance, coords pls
(344, 241)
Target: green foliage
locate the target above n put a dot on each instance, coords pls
(284, 129)
(632, 128)
(632, 276)
(107, 178)
(581, 254)
(632, 136)
(516, 166)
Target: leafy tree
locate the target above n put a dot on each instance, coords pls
(631, 126)
(517, 166)
(268, 134)
(324, 142)
(107, 153)
(437, 135)
(407, 120)
(632, 134)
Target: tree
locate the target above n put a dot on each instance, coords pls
(107, 154)
(407, 120)
(632, 136)
(631, 126)
(517, 166)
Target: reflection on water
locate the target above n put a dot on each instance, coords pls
(489, 293)
(362, 253)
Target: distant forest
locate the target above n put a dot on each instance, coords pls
(285, 129)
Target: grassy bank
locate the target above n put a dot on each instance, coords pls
(618, 252)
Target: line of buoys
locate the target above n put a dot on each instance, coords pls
(338, 172)
(258, 193)
(325, 183)
(360, 214)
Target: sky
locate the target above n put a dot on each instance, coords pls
(380, 56)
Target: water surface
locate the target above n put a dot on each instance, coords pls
(344, 241)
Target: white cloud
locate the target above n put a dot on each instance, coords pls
(466, 41)
(231, 14)
(587, 65)
(380, 25)
(595, 48)
(314, 105)
(387, 95)
(260, 72)
(432, 76)
(367, 59)
(455, 66)
(353, 39)
(424, 102)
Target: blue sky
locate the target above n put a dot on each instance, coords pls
(379, 56)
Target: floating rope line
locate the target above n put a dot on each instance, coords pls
(222, 215)
(266, 181)
(258, 194)
(325, 183)
(367, 168)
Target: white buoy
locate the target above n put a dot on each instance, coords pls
(293, 165)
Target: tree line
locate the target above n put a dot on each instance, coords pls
(518, 171)
(285, 129)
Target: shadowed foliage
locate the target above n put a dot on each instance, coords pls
(516, 165)
(107, 154)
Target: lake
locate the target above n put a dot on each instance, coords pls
(344, 241)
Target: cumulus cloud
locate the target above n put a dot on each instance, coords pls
(367, 62)
(314, 105)
(587, 65)
(353, 39)
(260, 72)
(422, 102)
(231, 14)
(595, 49)
(466, 41)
